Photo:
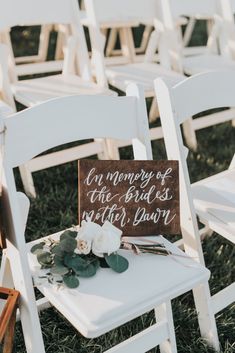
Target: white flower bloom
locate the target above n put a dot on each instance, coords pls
(89, 230)
(83, 246)
(108, 241)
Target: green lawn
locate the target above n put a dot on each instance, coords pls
(56, 208)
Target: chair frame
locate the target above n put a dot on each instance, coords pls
(126, 111)
(171, 53)
(173, 114)
(76, 60)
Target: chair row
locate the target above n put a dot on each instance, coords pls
(30, 132)
(79, 76)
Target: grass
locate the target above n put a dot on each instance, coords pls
(56, 208)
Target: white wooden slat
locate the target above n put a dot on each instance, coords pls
(122, 10)
(205, 62)
(32, 68)
(209, 97)
(60, 157)
(223, 298)
(51, 116)
(13, 12)
(215, 118)
(34, 91)
(143, 341)
(26, 59)
(143, 73)
(205, 8)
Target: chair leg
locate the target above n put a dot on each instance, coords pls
(59, 46)
(189, 134)
(154, 112)
(205, 232)
(206, 317)
(5, 273)
(27, 180)
(164, 313)
(111, 41)
(112, 148)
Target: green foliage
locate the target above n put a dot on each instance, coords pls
(37, 248)
(65, 263)
(45, 258)
(71, 281)
(117, 262)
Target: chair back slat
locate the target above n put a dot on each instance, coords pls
(188, 102)
(32, 12)
(192, 8)
(69, 119)
(123, 10)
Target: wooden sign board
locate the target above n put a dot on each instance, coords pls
(139, 197)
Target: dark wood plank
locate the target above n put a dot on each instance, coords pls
(140, 197)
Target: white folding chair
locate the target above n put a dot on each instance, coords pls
(172, 54)
(93, 310)
(34, 64)
(75, 78)
(119, 76)
(213, 197)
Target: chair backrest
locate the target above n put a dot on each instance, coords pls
(32, 131)
(193, 8)
(120, 14)
(122, 10)
(194, 95)
(168, 9)
(32, 12)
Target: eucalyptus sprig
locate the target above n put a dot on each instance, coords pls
(65, 266)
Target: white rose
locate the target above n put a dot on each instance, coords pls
(108, 241)
(89, 230)
(83, 247)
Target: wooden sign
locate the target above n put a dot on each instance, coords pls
(139, 197)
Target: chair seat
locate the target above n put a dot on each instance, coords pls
(142, 73)
(108, 299)
(214, 200)
(34, 91)
(5, 109)
(199, 63)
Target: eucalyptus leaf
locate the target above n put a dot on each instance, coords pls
(89, 271)
(67, 234)
(58, 260)
(68, 245)
(75, 262)
(71, 281)
(117, 262)
(37, 248)
(44, 258)
(57, 250)
(59, 270)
